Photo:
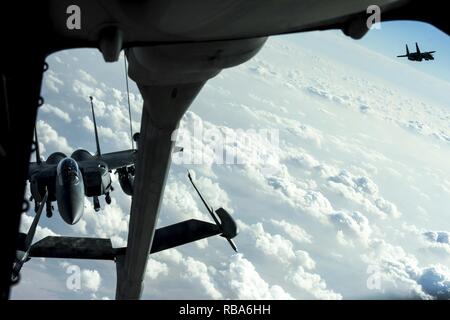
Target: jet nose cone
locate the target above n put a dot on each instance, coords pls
(74, 218)
(70, 191)
(72, 213)
(70, 203)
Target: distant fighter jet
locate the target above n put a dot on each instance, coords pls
(67, 180)
(417, 56)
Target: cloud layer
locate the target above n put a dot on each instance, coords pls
(321, 206)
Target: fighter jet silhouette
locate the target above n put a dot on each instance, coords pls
(418, 56)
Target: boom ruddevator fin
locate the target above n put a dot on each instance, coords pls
(230, 230)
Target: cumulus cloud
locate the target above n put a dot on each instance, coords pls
(296, 264)
(293, 231)
(438, 237)
(155, 269)
(354, 224)
(120, 139)
(400, 274)
(172, 256)
(435, 281)
(87, 77)
(196, 270)
(47, 108)
(180, 203)
(301, 157)
(110, 222)
(438, 240)
(364, 192)
(304, 259)
(299, 194)
(84, 90)
(90, 280)
(52, 81)
(51, 139)
(297, 128)
(207, 144)
(117, 94)
(300, 274)
(313, 284)
(262, 68)
(266, 169)
(272, 245)
(246, 283)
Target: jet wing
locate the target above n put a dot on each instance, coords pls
(119, 159)
(36, 167)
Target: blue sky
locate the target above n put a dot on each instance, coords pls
(390, 41)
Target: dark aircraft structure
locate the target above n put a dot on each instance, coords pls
(69, 179)
(418, 55)
(101, 249)
(173, 47)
